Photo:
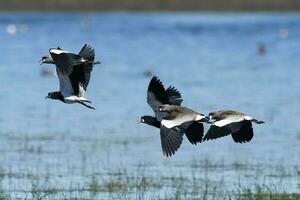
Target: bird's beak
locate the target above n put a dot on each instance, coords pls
(206, 119)
(41, 61)
(46, 97)
(139, 122)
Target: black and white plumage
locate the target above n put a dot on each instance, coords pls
(178, 120)
(194, 132)
(157, 95)
(74, 72)
(226, 122)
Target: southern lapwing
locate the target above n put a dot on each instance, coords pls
(157, 95)
(175, 123)
(227, 122)
(74, 72)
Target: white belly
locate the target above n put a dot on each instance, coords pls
(73, 99)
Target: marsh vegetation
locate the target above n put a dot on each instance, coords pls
(50, 174)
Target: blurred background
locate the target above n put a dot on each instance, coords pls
(244, 58)
(151, 5)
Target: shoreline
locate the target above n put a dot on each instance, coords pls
(151, 5)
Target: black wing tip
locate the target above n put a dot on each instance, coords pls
(167, 154)
(87, 52)
(171, 140)
(194, 133)
(174, 90)
(245, 134)
(86, 45)
(155, 85)
(242, 141)
(206, 139)
(155, 79)
(193, 142)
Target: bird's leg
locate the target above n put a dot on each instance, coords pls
(86, 101)
(82, 103)
(257, 121)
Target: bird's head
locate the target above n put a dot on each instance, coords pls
(203, 118)
(150, 121)
(49, 96)
(55, 95)
(147, 119)
(46, 59)
(211, 115)
(142, 120)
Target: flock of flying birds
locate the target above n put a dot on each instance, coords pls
(173, 120)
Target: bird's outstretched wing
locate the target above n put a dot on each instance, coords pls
(244, 134)
(222, 128)
(194, 132)
(73, 74)
(215, 132)
(171, 139)
(82, 73)
(88, 53)
(64, 61)
(156, 96)
(174, 96)
(80, 76)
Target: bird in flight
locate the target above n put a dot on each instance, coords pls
(74, 72)
(226, 122)
(171, 138)
(177, 121)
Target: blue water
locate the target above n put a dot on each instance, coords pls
(211, 58)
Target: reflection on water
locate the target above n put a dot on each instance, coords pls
(213, 59)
